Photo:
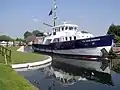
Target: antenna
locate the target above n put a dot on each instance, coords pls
(47, 24)
(54, 13)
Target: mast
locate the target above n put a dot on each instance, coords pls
(54, 13)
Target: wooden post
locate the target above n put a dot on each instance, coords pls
(0, 49)
(13, 43)
(3, 51)
(7, 43)
(5, 59)
(10, 56)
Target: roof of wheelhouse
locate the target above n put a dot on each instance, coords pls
(66, 25)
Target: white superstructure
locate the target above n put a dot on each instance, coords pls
(66, 32)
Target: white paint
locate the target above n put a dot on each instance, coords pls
(32, 65)
(28, 65)
(84, 51)
(33, 68)
(63, 31)
(81, 51)
(21, 49)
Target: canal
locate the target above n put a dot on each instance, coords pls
(62, 76)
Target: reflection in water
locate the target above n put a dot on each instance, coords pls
(61, 76)
(68, 75)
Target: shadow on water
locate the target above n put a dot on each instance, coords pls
(62, 76)
(84, 74)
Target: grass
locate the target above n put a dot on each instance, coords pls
(14, 48)
(2, 59)
(25, 57)
(10, 80)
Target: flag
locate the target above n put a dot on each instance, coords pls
(50, 13)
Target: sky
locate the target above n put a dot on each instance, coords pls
(94, 16)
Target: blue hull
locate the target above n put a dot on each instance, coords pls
(77, 44)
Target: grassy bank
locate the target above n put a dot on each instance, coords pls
(11, 80)
(2, 59)
(25, 57)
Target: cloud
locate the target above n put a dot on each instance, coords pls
(35, 20)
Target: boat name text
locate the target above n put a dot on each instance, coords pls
(89, 40)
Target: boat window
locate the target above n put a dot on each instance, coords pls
(66, 28)
(54, 33)
(59, 29)
(62, 28)
(55, 29)
(48, 41)
(84, 32)
(56, 40)
(70, 28)
(63, 39)
(75, 28)
(74, 37)
(70, 38)
(66, 38)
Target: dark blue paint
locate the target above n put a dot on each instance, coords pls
(75, 44)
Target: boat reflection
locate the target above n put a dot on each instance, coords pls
(68, 75)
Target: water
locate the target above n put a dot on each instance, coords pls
(64, 77)
(61, 76)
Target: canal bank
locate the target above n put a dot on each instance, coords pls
(9, 78)
(33, 64)
(46, 60)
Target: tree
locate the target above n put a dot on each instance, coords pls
(114, 30)
(38, 33)
(5, 38)
(26, 34)
(35, 32)
(20, 39)
(117, 39)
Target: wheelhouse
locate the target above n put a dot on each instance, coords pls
(66, 32)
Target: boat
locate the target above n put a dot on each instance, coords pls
(67, 40)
